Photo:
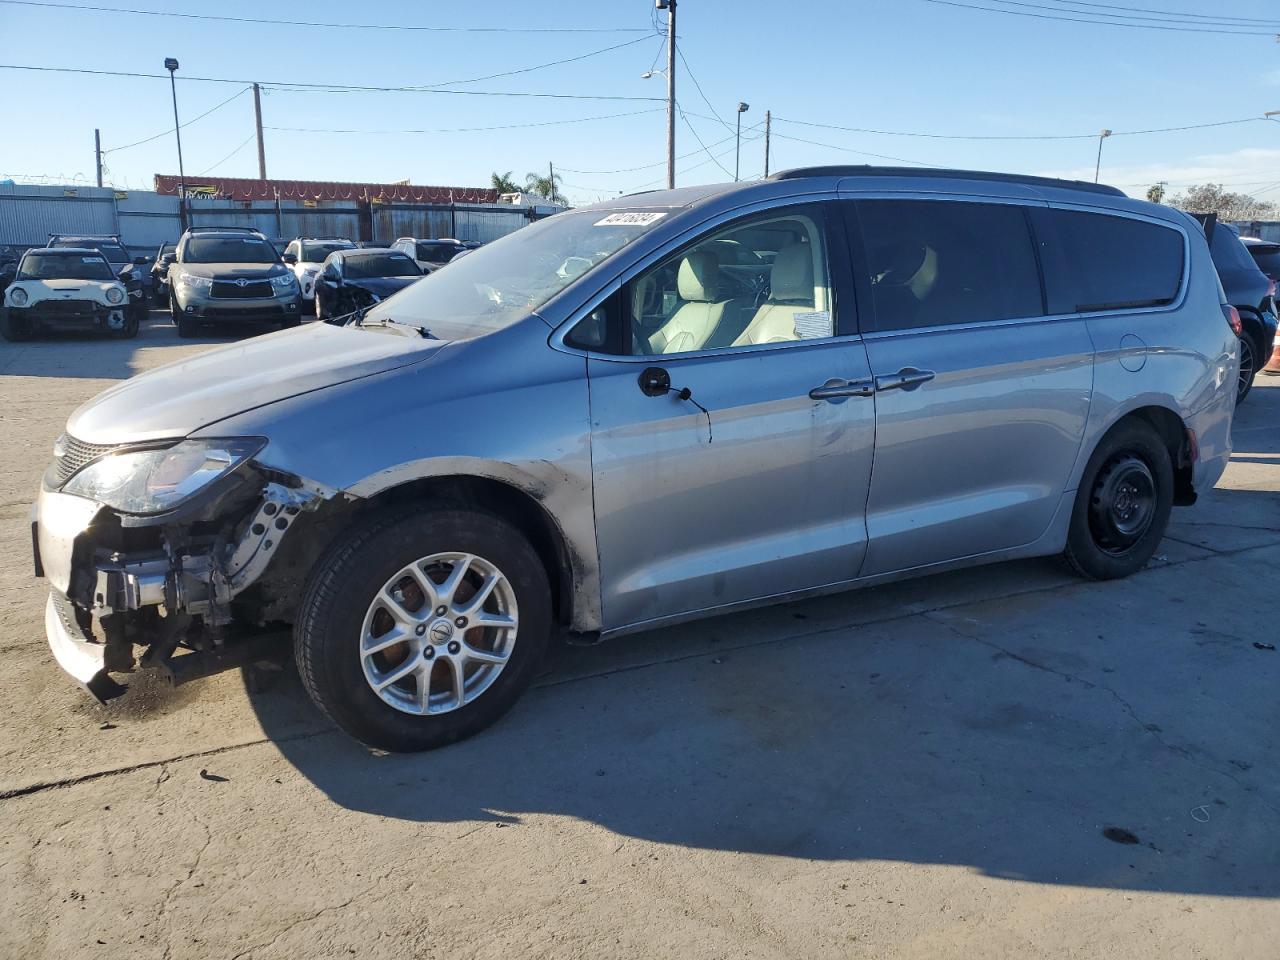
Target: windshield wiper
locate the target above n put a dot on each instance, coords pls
(358, 320)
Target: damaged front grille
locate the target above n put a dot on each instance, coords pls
(71, 454)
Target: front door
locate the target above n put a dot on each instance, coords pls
(732, 439)
(981, 399)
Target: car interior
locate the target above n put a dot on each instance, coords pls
(760, 282)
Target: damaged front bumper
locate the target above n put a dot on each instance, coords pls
(171, 585)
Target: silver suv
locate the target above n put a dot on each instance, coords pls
(230, 275)
(663, 407)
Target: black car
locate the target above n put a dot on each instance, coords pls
(1250, 291)
(167, 253)
(125, 265)
(354, 279)
(1266, 254)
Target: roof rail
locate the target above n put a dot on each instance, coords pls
(55, 237)
(854, 170)
(205, 229)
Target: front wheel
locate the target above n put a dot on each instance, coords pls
(422, 627)
(320, 314)
(1123, 504)
(12, 328)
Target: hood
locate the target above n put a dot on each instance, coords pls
(71, 286)
(383, 287)
(179, 398)
(233, 271)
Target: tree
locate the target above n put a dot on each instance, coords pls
(545, 186)
(502, 182)
(1212, 198)
(1155, 193)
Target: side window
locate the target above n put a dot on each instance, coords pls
(1093, 261)
(331, 271)
(762, 279)
(293, 249)
(948, 262)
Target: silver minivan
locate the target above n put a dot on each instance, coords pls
(667, 406)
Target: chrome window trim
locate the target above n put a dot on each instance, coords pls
(692, 232)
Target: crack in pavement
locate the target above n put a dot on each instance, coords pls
(265, 945)
(191, 872)
(717, 650)
(1210, 763)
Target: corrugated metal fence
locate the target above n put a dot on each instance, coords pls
(144, 220)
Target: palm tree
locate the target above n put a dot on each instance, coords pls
(502, 182)
(545, 186)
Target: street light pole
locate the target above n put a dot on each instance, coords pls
(171, 64)
(1097, 170)
(670, 7)
(737, 138)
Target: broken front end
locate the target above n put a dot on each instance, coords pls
(186, 556)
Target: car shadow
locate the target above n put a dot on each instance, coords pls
(96, 356)
(1009, 719)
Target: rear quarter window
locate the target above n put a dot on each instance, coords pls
(1096, 261)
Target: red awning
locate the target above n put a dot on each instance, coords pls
(233, 188)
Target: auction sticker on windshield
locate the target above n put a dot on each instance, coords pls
(630, 219)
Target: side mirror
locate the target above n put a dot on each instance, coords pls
(290, 259)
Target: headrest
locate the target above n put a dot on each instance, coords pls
(913, 266)
(792, 275)
(699, 277)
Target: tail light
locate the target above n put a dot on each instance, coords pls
(1233, 319)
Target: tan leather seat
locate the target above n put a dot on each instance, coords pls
(790, 292)
(692, 326)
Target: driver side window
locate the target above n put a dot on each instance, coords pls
(762, 279)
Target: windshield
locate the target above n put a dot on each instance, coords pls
(1267, 257)
(229, 250)
(112, 251)
(436, 252)
(64, 266)
(506, 280)
(316, 252)
(364, 267)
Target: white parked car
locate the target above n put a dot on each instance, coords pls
(65, 289)
(305, 257)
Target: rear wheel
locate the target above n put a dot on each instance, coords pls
(1248, 368)
(422, 627)
(1123, 504)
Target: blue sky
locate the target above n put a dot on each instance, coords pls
(893, 65)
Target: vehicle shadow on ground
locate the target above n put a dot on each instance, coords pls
(97, 356)
(1119, 735)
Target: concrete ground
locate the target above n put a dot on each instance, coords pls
(1004, 762)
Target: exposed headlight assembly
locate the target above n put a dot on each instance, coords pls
(115, 295)
(154, 481)
(18, 297)
(196, 283)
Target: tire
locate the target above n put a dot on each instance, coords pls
(1248, 368)
(338, 612)
(289, 322)
(129, 330)
(1130, 470)
(187, 328)
(12, 329)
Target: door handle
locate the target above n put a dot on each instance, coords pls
(908, 378)
(835, 389)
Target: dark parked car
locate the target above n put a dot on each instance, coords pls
(429, 254)
(125, 265)
(167, 253)
(354, 279)
(1250, 291)
(1265, 253)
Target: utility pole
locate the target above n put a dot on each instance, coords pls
(97, 154)
(257, 119)
(1098, 167)
(551, 181)
(767, 121)
(670, 7)
(171, 64)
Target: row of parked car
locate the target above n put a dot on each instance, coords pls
(210, 275)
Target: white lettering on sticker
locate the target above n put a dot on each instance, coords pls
(813, 325)
(629, 219)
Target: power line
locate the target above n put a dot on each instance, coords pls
(1104, 23)
(504, 126)
(537, 66)
(699, 139)
(298, 87)
(698, 87)
(1172, 13)
(1060, 136)
(247, 141)
(315, 23)
(165, 133)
